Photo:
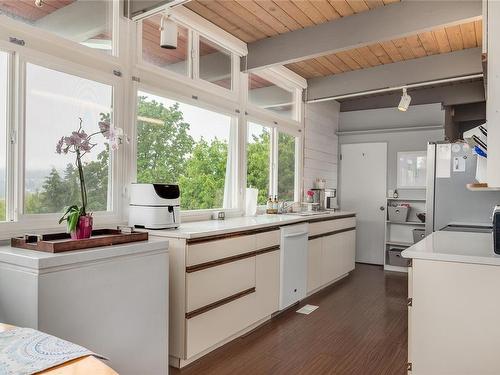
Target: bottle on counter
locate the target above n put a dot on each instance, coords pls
(275, 204)
(269, 207)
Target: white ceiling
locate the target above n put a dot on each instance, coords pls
(392, 118)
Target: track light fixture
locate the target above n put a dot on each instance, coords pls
(168, 32)
(404, 103)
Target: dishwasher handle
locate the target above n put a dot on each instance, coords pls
(297, 234)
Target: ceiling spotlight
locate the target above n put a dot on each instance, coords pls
(404, 103)
(168, 33)
(39, 3)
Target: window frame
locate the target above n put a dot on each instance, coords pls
(197, 28)
(132, 75)
(200, 214)
(274, 164)
(29, 32)
(17, 219)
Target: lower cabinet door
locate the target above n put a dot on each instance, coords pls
(329, 258)
(348, 251)
(210, 328)
(213, 284)
(267, 284)
(214, 326)
(314, 264)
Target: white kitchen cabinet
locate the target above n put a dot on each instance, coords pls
(330, 257)
(112, 300)
(314, 264)
(452, 320)
(224, 285)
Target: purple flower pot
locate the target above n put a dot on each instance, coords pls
(83, 228)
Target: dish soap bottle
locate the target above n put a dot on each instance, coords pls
(269, 207)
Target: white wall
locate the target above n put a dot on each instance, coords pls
(321, 143)
(398, 141)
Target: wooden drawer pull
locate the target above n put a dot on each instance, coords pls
(331, 233)
(218, 262)
(219, 303)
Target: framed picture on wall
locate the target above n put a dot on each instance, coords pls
(412, 169)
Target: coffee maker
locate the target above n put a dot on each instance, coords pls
(331, 199)
(318, 199)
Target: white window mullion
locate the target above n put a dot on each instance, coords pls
(274, 162)
(18, 122)
(194, 56)
(11, 140)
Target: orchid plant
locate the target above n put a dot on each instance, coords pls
(80, 144)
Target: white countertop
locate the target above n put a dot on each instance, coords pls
(38, 260)
(198, 229)
(462, 247)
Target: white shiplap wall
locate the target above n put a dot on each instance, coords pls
(321, 143)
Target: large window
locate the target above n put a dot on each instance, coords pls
(267, 95)
(259, 160)
(286, 166)
(54, 103)
(3, 133)
(270, 164)
(215, 64)
(188, 145)
(85, 22)
(175, 60)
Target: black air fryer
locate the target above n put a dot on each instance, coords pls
(496, 229)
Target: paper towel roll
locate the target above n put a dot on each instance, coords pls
(251, 201)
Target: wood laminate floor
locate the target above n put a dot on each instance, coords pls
(359, 328)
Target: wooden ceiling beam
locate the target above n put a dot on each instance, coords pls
(362, 29)
(430, 68)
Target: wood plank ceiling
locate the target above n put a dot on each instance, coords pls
(27, 11)
(443, 40)
(251, 20)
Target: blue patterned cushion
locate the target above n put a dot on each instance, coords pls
(27, 351)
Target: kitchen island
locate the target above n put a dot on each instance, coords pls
(453, 305)
(225, 274)
(113, 300)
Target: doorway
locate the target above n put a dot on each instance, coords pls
(363, 183)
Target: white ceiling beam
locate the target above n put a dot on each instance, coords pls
(431, 68)
(384, 23)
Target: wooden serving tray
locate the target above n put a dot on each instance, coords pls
(60, 242)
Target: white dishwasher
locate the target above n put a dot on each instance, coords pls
(293, 264)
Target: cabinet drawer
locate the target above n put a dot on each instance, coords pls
(213, 284)
(331, 225)
(209, 251)
(208, 329)
(267, 239)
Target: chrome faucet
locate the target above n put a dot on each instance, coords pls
(284, 207)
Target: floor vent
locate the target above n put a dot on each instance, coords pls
(307, 309)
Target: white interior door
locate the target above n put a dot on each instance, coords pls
(363, 179)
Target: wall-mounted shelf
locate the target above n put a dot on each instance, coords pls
(406, 199)
(406, 223)
(481, 187)
(398, 243)
(388, 267)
